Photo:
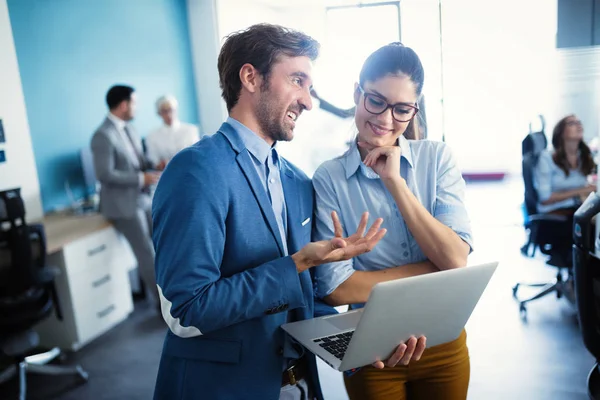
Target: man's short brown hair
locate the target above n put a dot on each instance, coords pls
(259, 45)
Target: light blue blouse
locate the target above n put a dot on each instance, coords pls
(549, 178)
(347, 186)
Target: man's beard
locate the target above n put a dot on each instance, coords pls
(269, 116)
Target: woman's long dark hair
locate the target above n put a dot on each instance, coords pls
(586, 161)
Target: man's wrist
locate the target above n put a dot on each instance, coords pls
(302, 263)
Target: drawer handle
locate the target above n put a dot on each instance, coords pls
(101, 281)
(96, 250)
(106, 311)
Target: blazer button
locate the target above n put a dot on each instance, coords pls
(280, 351)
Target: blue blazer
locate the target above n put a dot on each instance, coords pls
(225, 286)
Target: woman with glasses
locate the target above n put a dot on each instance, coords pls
(561, 175)
(418, 190)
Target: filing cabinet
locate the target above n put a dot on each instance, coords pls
(93, 288)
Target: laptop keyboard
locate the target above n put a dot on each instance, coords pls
(335, 344)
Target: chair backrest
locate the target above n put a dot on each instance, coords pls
(23, 246)
(535, 142)
(531, 197)
(531, 148)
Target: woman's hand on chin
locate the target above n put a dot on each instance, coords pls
(385, 160)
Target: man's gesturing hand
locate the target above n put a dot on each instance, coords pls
(340, 248)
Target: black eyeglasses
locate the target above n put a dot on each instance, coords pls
(401, 112)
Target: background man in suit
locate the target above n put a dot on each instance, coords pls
(122, 171)
(232, 225)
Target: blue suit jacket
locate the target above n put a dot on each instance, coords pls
(225, 286)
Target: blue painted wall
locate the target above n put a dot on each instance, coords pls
(71, 51)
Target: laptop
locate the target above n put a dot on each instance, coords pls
(436, 305)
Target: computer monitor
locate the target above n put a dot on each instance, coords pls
(89, 173)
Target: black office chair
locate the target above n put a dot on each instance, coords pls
(546, 232)
(27, 294)
(586, 271)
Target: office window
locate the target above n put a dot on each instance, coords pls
(351, 34)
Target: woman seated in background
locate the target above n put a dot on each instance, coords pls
(561, 175)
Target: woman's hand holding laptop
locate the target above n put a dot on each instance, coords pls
(340, 248)
(412, 350)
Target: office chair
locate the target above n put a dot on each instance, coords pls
(27, 294)
(546, 232)
(586, 271)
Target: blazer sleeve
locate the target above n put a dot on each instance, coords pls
(104, 163)
(190, 209)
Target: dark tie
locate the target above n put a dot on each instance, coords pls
(139, 156)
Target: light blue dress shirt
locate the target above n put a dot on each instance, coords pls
(549, 178)
(347, 186)
(266, 162)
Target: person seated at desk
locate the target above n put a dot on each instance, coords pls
(561, 175)
(166, 141)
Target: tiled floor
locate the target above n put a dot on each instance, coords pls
(541, 358)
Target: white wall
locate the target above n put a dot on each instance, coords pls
(420, 26)
(578, 77)
(498, 75)
(205, 42)
(20, 169)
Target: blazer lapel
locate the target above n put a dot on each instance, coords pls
(292, 204)
(294, 218)
(247, 166)
(122, 147)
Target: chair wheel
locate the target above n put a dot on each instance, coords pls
(514, 290)
(83, 375)
(525, 250)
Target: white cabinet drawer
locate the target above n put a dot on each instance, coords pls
(95, 282)
(100, 249)
(111, 304)
(90, 251)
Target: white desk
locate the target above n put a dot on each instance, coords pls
(93, 286)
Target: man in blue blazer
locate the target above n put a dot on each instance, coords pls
(232, 227)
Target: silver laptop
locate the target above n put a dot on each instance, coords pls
(437, 305)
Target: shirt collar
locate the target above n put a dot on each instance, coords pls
(353, 161)
(119, 123)
(174, 126)
(254, 143)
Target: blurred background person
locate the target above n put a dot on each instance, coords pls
(563, 176)
(163, 143)
(124, 177)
